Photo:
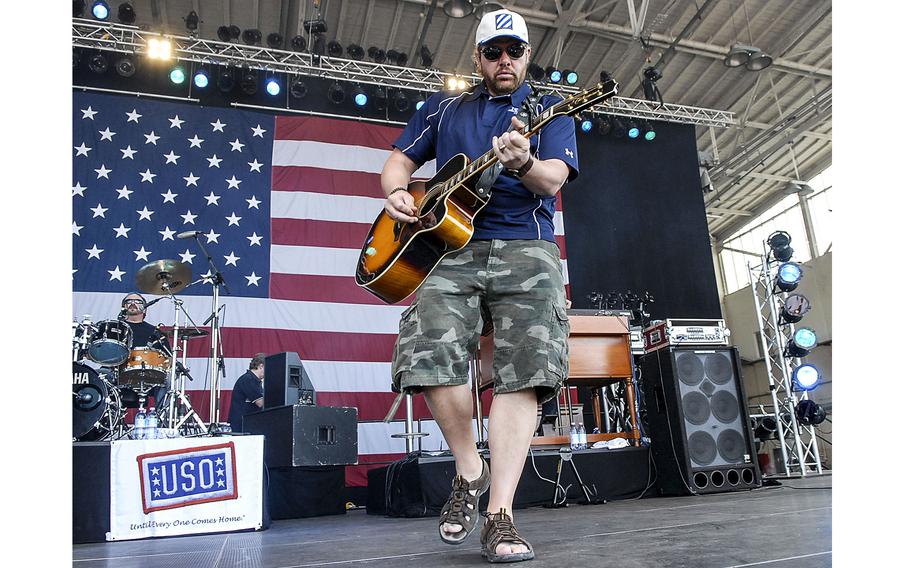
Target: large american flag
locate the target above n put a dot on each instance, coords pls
(283, 204)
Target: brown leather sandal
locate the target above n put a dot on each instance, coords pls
(461, 508)
(499, 529)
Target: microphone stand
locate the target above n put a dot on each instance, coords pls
(217, 280)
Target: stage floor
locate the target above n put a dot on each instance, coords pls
(787, 526)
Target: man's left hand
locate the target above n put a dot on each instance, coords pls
(512, 149)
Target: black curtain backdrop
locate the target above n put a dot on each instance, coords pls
(635, 220)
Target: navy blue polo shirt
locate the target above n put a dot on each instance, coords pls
(451, 123)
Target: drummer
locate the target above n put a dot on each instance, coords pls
(144, 333)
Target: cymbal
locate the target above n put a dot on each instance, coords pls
(166, 276)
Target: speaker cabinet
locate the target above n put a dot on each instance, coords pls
(698, 421)
(286, 381)
(306, 435)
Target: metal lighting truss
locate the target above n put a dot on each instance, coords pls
(109, 36)
(798, 445)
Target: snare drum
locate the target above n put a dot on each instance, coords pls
(144, 367)
(110, 343)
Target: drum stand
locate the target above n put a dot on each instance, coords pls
(178, 403)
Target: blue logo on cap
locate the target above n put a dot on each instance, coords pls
(504, 22)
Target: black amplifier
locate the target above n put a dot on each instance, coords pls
(299, 434)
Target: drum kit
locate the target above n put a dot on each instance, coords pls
(112, 375)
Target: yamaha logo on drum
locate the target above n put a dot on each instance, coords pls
(80, 378)
(180, 478)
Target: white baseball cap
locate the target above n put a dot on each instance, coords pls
(501, 23)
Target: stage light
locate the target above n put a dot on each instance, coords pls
(249, 83)
(100, 10)
(319, 45)
(78, 8)
(376, 54)
(126, 66)
(570, 76)
(605, 77)
(766, 428)
(335, 48)
(336, 93)
(810, 413)
(456, 83)
(226, 80)
(632, 129)
(380, 98)
(803, 341)
(788, 276)
(604, 125)
(177, 75)
(618, 127)
(272, 86)
(419, 101)
(274, 40)
(126, 14)
(228, 33)
(806, 377)
(192, 21)
(400, 101)
(298, 88)
(648, 129)
(252, 36)
(458, 8)
(649, 84)
(738, 55)
(426, 58)
(98, 63)
(536, 72)
(355, 52)
(779, 243)
(159, 49)
(315, 26)
(752, 57)
(359, 96)
(401, 60)
(298, 43)
(794, 308)
(201, 78)
(587, 125)
(554, 75)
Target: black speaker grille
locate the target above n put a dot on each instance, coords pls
(691, 370)
(719, 368)
(702, 449)
(725, 407)
(731, 445)
(696, 408)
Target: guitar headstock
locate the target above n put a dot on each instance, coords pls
(587, 98)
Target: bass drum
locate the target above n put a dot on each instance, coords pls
(96, 405)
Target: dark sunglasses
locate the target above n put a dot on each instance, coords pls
(494, 52)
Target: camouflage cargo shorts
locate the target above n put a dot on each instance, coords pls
(518, 285)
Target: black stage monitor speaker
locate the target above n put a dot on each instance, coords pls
(286, 381)
(698, 421)
(308, 435)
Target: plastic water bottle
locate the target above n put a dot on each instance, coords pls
(151, 421)
(582, 437)
(139, 425)
(573, 437)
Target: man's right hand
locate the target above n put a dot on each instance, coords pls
(400, 206)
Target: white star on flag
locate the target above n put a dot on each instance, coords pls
(77, 228)
(171, 158)
(187, 257)
(127, 152)
(102, 172)
(254, 203)
(82, 150)
(236, 145)
(151, 138)
(167, 234)
(233, 219)
(116, 273)
(254, 165)
(133, 116)
(94, 252)
(233, 182)
(196, 141)
(254, 239)
(176, 122)
(252, 279)
(122, 231)
(169, 196)
(218, 125)
(142, 254)
(88, 113)
(124, 193)
(212, 236)
(145, 214)
(214, 161)
(191, 180)
(106, 134)
(212, 198)
(231, 259)
(207, 277)
(189, 218)
(147, 175)
(78, 188)
(98, 211)
(258, 131)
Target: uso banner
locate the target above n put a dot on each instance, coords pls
(182, 486)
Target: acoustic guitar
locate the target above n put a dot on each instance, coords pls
(397, 257)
